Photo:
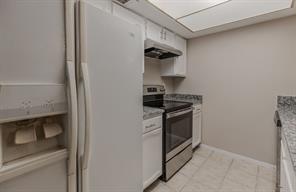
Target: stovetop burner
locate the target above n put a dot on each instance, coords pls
(168, 106)
(154, 97)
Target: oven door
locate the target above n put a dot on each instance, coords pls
(178, 132)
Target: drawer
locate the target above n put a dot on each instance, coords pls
(152, 124)
(288, 178)
(152, 157)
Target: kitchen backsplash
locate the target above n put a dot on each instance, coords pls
(197, 99)
(152, 75)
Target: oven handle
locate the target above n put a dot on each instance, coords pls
(178, 113)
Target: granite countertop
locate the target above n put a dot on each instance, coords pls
(287, 114)
(194, 99)
(150, 112)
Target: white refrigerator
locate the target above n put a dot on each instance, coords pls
(38, 102)
(70, 98)
(110, 102)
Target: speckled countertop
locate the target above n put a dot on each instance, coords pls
(195, 99)
(287, 114)
(150, 112)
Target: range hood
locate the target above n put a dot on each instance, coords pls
(160, 51)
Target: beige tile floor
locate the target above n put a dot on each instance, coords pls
(210, 171)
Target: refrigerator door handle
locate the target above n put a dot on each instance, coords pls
(73, 123)
(88, 115)
(73, 117)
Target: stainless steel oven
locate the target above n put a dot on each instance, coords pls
(178, 131)
(178, 141)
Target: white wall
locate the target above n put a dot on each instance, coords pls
(152, 75)
(240, 73)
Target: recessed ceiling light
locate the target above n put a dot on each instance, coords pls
(199, 15)
(180, 8)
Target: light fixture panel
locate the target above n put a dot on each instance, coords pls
(181, 8)
(199, 15)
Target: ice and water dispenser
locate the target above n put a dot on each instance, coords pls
(33, 124)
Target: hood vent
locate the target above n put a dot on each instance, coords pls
(160, 51)
(123, 1)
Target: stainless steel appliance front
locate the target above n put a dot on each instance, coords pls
(178, 141)
(177, 129)
(176, 163)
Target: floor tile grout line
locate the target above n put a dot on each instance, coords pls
(207, 158)
(249, 175)
(228, 170)
(257, 177)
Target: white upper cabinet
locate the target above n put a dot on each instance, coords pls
(159, 34)
(169, 38)
(177, 66)
(154, 32)
(181, 44)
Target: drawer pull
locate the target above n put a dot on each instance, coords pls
(150, 126)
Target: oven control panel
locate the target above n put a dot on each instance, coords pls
(153, 89)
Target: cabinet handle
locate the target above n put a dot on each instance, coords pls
(152, 133)
(149, 126)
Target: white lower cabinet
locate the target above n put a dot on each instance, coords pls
(196, 126)
(152, 150)
(288, 176)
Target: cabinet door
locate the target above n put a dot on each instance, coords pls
(154, 32)
(283, 178)
(181, 62)
(168, 38)
(196, 131)
(287, 177)
(152, 156)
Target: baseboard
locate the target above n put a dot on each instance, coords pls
(238, 156)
